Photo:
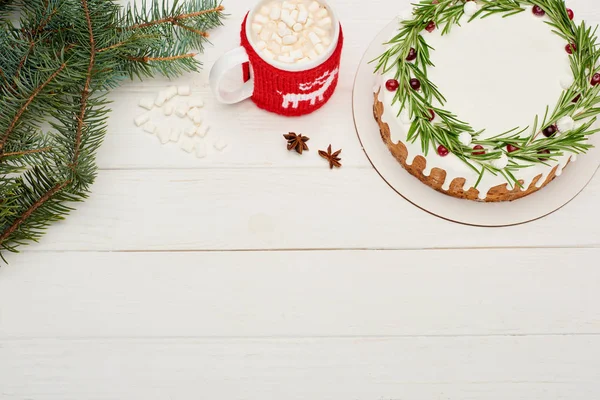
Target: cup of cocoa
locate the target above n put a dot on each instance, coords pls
(289, 56)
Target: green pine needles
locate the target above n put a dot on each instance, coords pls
(56, 66)
(580, 102)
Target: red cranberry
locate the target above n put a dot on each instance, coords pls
(596, 79)
(415, 84)
(571, 48)
(392, 85)
(480, 151)
(431, 115)
(543, 152)
(511, 149)
(412, 55)
(550, 131)
(430, 26)
(442, 151)
(570, 13)
(538, 11)
(576, 99)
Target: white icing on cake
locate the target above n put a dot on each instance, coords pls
(496, 74)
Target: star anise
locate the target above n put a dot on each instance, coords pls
(334, 160)
(296, 142)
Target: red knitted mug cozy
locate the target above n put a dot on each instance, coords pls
(291, 93)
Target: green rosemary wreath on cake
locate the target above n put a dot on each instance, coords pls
(566, 128)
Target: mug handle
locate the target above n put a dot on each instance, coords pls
(228, 61)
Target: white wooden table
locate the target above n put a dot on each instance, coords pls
(258, 274)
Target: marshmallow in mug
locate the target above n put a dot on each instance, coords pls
(292, 31)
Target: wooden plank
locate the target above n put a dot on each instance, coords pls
(476, 368)
(287, 209)
(315, 294)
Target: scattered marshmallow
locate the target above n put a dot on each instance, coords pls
(168, 109)
(149, 127)
(175, 135)
(200, 149)
(220, 144)
(190, 130)
(184, 90)
(202, 130)
(142, 119)
(147, 103)
(163, 135)
(187, 144)
(171, 92)
(198, 119)
(160, 99)
(181, 110)
(196, 102)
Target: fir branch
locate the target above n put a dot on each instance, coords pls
(86, 88)
(176, 20)
(25, 152)
(29, 212)
(29, 100)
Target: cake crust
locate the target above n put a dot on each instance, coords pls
(437, 176)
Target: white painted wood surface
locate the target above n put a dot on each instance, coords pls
(258, 274)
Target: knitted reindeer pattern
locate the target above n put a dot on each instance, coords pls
(291, 93)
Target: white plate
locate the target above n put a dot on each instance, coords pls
(537, 205)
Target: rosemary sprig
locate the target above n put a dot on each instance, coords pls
(580, 102)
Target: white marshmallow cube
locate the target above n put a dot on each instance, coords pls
(322, 13)
(290, 39)
(257, 28)
(320, 49)
(261, 45)
(184, 90)
(147, 103)
(302, 17)
(261, 19)
(187, 144)
(160, 99)
(286, 49)
(314, 38)
(190, 131)
(141, 120)
(325, 22)
(314, 6)
(197, 102)
(202, 130)
(163, 135)
(265, 35)
(198, 119)
(149, 127)
(319, 31)
(200, 149)
(171, 92)
(175, 135)
(264, 10)
(294, 15)
(220, 144)
(181, 110)
(168, 109)
(275, 13)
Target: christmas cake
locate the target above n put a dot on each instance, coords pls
(488, 100)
